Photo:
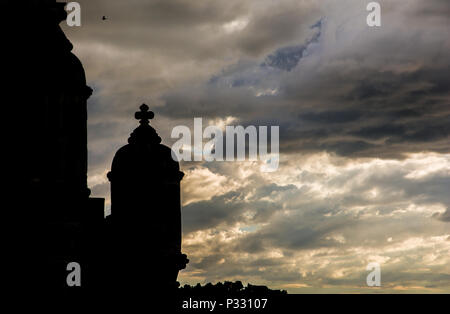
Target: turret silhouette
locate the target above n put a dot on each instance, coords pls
(145, 220)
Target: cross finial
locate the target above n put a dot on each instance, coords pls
(144, 115)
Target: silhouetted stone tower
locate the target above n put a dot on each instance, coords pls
(51, 103)
(48, 218)
(145, 220)
(52, 221)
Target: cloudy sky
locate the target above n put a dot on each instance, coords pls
(364, 119)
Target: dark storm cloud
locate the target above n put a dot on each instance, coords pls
(400, 119)
(230, 208)
(328, 117)
(287, 58)
(294, 236)
(208, 214)
(332, 84)
(346, 110)
(444, 216)
(141, 14)
(193, 28)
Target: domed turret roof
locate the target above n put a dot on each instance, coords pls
(144, 154)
